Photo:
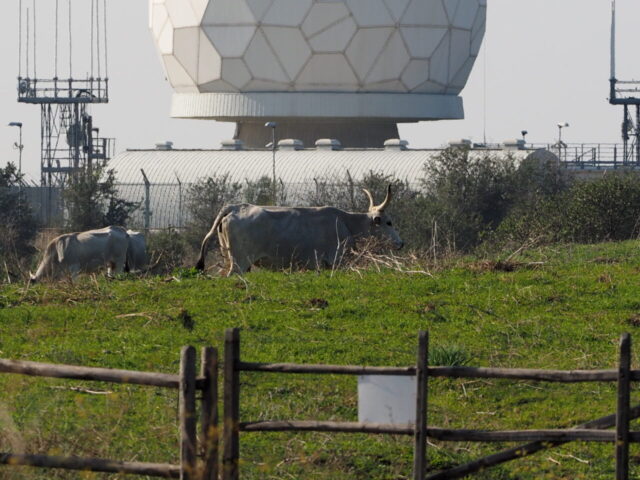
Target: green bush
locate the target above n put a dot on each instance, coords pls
(18, 226)
(604, 209)
(167, 250)
(205, 198)
(260, 192)
(91, 201)
(466, 197)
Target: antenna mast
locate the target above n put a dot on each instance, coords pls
(69, 142)
(625, 95)
(613, 46)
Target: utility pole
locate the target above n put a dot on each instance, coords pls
(274, 186)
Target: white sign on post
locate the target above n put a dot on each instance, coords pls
(387, 399)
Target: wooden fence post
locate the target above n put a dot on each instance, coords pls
(209, 414)
(187, 411)
(622, 415)
(420, 433)
(231, 434)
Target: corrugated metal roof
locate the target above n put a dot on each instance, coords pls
(301, 166)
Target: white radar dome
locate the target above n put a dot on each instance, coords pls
(392, 59)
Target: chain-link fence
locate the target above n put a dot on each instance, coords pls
(161, 181)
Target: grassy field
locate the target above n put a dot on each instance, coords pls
(562, 307)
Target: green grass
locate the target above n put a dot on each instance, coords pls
(562, 307)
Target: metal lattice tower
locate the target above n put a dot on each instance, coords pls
(625, 93)
(69, 142)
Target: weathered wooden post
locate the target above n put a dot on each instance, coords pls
(420, 434)
(209, 414)
(187, 411)
(231, 405)
(623, 415)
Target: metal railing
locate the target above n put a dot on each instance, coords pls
(592, 155)
(68, 90)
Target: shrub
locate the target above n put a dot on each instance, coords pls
(205, 198)
(167, 250)
(18, 226)
(91, 201)
(466, 197)
(604, 209)
(334, 191)
(540, 221)
(260, 192)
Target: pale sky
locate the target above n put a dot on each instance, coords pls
(543, 62)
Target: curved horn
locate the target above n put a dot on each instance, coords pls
(387, 199)
(368, 193)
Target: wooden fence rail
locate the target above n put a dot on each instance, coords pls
(540, 439)
(444, 434)
(562, 376)
(186, 383)
(72, 372)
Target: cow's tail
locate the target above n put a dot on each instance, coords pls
(216, 224)
(127, 261)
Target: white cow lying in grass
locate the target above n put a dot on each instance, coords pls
(84, 252)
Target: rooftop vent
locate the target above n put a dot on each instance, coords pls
(515, 144)
(290, 144)
(233, 144)
(164, 146)
(460, 143)
(395, 144)
(328, 144)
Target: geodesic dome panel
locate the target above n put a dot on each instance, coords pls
(403, 46)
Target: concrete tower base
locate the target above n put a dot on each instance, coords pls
(350, 133)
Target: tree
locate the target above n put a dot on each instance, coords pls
(92, 201)
(205, 198)
(18, 226)
(466, 196)
(260, 192)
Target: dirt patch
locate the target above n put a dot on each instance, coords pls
(634, 320)
(605, 260)
(319, 303)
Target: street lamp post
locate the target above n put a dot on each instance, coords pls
(19, 146)
(561, 125)
(272, 126)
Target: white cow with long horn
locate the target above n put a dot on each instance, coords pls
(279, 237)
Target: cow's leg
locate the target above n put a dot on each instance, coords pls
(120, 262)
(74, 271)
(238, 265)
(110, 268)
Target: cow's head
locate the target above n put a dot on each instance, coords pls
(381, 224)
